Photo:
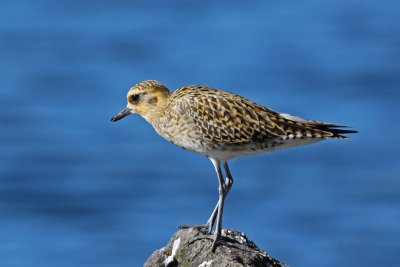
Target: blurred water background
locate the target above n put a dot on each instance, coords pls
(78, 190)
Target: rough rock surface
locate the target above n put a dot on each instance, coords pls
(192, 247)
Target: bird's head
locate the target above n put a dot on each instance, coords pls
(146, 98)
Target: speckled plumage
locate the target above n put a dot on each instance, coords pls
(218, 123)
(221, 126)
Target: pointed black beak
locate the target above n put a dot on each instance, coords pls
(122, 114)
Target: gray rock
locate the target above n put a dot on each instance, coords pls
(192, 247)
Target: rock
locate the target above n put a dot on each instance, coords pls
(192, 247)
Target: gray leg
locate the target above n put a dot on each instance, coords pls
(221, 191)
(227, 188)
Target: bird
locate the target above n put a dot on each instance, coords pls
(221, 126)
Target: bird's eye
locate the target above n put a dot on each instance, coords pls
(135, 98)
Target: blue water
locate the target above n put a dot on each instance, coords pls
(78, 190)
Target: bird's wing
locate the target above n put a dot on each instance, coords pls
(225, 117)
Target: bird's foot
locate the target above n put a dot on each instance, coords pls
(201, 227)
(205, 234)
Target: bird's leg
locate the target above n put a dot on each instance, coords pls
(221, 191)
(227, 187)
(209, 225)
(224, 189)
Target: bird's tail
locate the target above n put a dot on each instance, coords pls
(322, 129)
(333, 130)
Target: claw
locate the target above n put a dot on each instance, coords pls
(199, 227)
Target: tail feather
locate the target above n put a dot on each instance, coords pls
(335, 130)
(326, 129)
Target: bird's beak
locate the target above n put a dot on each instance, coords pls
(122, 114)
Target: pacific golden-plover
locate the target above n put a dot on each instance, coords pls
(221, 126)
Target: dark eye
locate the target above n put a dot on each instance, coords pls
(135, 98)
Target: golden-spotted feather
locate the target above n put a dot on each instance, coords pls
(225, 117)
